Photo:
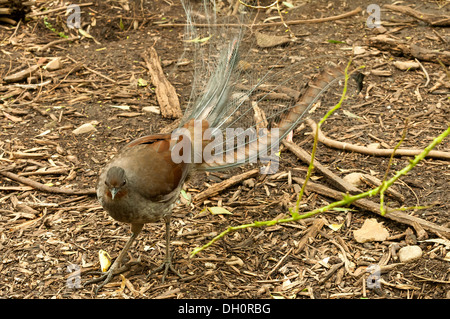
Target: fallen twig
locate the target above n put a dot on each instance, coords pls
(217, 188)
(372, 181)
(48, 45)
(312, 232)
(431, 19)
(91, 70)
(98, 73)
(399, 47)
(19, 76)
(45, 188)
(54, 171)
(375, 152)
(165, 92)
(258, 25)
(425, 72)
(16, 188)
(335, 180)
(311, 21)
(279, 263)
(35, 14)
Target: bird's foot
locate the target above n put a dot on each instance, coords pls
(166, 266)
(107, 275)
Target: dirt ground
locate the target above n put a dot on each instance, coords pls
(45, 236)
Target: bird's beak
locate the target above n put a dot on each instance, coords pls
(114, 191)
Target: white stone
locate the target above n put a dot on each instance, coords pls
(409, 253)
(354, 178)
(54, 64)
(406, 65)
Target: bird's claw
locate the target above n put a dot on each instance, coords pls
(166, 265)
(107, 276)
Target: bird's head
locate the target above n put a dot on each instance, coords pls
(116, 182)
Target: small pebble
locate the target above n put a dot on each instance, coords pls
(406, 65)
(354, 178)
(409, 253)
(53, 65)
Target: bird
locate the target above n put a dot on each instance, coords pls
(142, 183)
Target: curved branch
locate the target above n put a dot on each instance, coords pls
(374, 152)
(45, 188)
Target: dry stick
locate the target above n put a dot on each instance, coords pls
(312, 232)
(319, 20)
(373, 207)
(330, 272)
(73, 69)
(165, 92)
(431, 279)
(432, 19)
(278, 263)
(293, 22)
(57, 171)
(333, 178)
(378, 152)
(91, 70)
(16, 155)
(217, 188)
(18, 76)
(48, 45)
(15, 31)
(425, 72)
(16, 188)
(98, 73)
(45, 188)
(58, 9)
(399, 47)
(372, 181)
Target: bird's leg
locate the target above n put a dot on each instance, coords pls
(167, 263)
(114, 269)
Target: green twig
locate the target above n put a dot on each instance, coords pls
(390, 164)
(411, 165)
(316, 139)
